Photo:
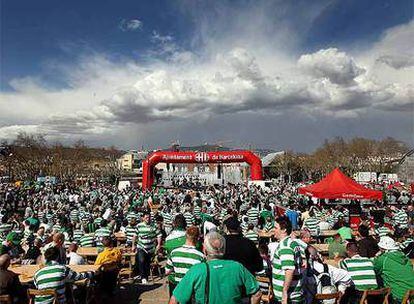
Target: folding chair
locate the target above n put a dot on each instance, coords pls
(408, 297)
(268, 297)
(6, 299)
(385, 292)
(326, 296)
(32, 293)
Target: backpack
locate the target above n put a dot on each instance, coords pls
(323, 282)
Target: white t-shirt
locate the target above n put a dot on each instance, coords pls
(75, 259)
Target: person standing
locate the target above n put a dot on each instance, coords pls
(183, 258)
(249, 257)
(287, 265)
(217, 281)
(148, 243)
(177, 237)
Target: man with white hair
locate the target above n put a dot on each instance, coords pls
(216, 281)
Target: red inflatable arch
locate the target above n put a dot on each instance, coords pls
(199, 157)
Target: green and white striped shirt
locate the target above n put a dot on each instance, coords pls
(54, 276)
(253, 215)
(287, 256)
(88, 240)
(361, 271)
(252, 235)
(312, 223)
(401, 219)
(130, 232)
(181, 260)
(197, 211)
(189, 218)
(147, 237)
(382, 231)
(5, 228)
(168, 219)
(100, 233)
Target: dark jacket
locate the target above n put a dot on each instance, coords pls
(368, 247)
(244, 251)
(10, 284)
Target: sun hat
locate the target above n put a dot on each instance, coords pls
(387, 243)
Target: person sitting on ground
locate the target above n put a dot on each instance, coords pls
(55, 276)
(361, 270)
(183, 258)
(337, 249)
(221, 289)
(9, 281)
(367, 245)
(74, 258)
(394, 268)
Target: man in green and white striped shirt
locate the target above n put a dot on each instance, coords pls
(251, 234)
(147, 240)
(312, 223)
(177, 237)
(287, 265)
(400, 219)
(104, 231)
(360, 269)
(183, 258)
(55, 276)
(253, 214)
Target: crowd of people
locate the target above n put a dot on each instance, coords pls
(229, 244)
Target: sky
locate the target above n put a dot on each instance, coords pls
(249, 74)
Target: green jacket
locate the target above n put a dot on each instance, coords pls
(396, 271)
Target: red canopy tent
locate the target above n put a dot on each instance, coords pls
(338, 185)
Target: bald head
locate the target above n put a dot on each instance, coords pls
(4, 261)
(214, 245)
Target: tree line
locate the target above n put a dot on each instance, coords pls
(31, 155)
(351, 156)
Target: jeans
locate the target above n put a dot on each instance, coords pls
(143, 263)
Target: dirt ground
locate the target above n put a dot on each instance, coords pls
(155, 292)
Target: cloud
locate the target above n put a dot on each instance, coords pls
(242, 73)
(337, 66)
(131, 25)
(397, 62)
